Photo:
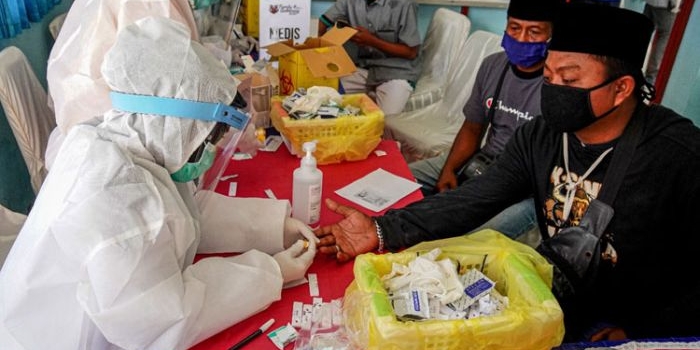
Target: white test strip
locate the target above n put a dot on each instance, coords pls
(306, 316)
(297, 313)
(317, 304)
(313, 284)
(336, 312)
(232, 188)
(270, 194)
(326, 315)
(228, 177)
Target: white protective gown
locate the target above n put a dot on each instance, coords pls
(105, 258)
(76, 87)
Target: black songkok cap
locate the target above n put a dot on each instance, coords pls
(533, 10)
(602, 31)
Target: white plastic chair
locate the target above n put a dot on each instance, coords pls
(56, 24)
(10, 225)
(431, 120)
(446, 34)
(24, 101)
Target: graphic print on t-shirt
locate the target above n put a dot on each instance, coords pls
(517, 113)
(554, 203)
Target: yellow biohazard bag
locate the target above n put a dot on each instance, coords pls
(532, 320)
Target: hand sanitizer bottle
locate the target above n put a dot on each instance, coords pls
(306, 191)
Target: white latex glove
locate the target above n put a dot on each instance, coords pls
(236, 57)
(295, 261)
(295, 230)
(249, 142)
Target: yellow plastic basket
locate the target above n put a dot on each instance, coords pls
(533, 319)
(340, 139)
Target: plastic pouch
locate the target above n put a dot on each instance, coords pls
(532, 320)
(575, 251)
(326, 331)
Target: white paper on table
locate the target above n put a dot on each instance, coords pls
(378, 190)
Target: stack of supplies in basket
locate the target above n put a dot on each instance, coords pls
(427, 288)
(318, 102)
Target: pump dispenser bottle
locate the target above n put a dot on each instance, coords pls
(306, 191)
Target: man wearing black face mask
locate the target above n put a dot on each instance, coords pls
(505, 96)
(593, 105)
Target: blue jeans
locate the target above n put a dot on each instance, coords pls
(513, 221)
(427, 172)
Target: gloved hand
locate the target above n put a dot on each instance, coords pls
(295, 230)
(295, 261)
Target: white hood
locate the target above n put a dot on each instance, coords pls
(76, 86)
(174, 67)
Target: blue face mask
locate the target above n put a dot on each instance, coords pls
(524, 54)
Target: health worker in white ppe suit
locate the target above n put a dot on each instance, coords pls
(105, 258)
(78, 92)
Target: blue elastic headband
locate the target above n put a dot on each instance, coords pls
(174, 107)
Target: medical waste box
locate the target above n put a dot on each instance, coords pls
(316, 62)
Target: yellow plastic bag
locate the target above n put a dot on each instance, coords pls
(533, 319)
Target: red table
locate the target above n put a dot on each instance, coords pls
(274, 171)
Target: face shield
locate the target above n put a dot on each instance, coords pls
(208, 163)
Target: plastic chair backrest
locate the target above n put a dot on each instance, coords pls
(56, 24)
(10, 225)
(24, 101)
(446, 34)
(459, 87)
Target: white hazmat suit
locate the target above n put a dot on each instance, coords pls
(105, 258)
(76, 85)
(78, 92)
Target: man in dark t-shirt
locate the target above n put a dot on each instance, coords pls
(593, 90)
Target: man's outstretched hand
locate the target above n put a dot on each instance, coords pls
(353, 235)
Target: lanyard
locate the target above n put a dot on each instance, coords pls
(570, 185)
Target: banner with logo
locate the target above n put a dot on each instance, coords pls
(283, 20)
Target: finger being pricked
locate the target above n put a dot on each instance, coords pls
(325, 239)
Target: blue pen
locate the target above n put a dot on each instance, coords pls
(252, 336)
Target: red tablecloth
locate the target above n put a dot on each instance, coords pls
(274, 171)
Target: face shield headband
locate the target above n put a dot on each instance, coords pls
(188, 109)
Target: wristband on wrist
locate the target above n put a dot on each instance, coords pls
(380, 237)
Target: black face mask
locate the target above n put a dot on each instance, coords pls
(568, 109)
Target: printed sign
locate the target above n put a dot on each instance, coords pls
(283, 20)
